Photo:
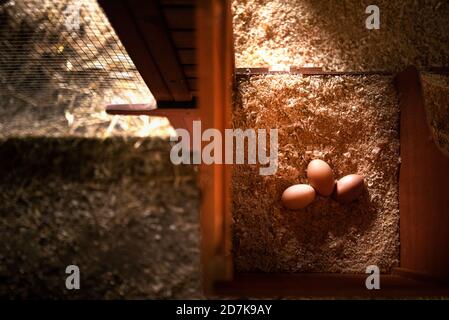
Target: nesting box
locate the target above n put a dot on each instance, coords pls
(423, 203)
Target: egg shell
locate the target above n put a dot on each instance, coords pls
(349, 188)
(321, 177)
(298, 196)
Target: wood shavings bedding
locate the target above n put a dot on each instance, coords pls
(332, 34)
(351, 122)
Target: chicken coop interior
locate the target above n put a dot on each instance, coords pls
(92, 93)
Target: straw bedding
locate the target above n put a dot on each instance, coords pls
(352, 123)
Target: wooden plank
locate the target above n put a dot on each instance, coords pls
(180, 18)
(137, 109)
(190, 70)
(215, 71)
(150, 21)
(146, 109)
(423, 195)
(420, 276)
(313, 71)
(324, 285)
(305, 70)
(192, 83)
(184, 39)
(177, 104)
(250, 71)
(123, 23)
(178, 118)
(187, 56)
(178, 2)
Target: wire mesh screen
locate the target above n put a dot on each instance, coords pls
(51, 47)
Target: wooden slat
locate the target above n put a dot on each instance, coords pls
(184, 39)
(180, 17)
(423, 195)
(190, 70)
(192, 83)
(420, 276)
(178, 2)
(142, 109)
(123, 23)
(187, 56)
(178, 118)
(157, 37)
(313, 71)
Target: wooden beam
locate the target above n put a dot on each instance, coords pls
(215, 71)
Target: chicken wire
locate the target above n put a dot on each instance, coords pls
(51, 47)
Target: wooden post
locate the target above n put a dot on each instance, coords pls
(215, 73)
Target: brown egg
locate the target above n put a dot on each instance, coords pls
(349, 188)
(321, 177)
(298, 196)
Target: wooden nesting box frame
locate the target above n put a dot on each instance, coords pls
(157, 48)
(424, 206)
